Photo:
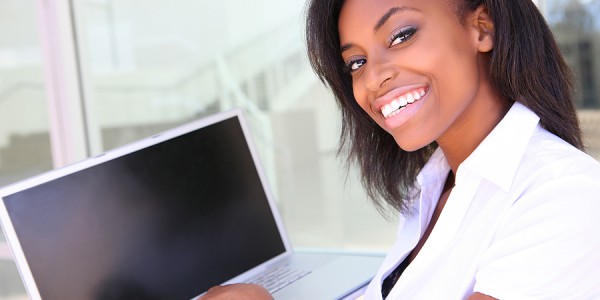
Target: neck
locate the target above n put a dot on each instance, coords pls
(471, 128)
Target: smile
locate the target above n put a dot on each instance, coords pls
(401, 102)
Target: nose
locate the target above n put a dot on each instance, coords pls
(379, 72)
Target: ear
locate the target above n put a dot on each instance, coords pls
(483, 29)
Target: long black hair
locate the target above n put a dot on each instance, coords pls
(525, 66)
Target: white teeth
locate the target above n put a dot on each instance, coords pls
(416, 95)
(386, 110)
(395, 104)
(403, 101)
(399, 103)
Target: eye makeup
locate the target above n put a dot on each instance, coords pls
(402, 35)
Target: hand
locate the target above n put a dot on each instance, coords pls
(240, 291)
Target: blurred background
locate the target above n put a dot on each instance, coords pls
(79, 77)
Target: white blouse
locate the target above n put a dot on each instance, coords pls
(522, 222)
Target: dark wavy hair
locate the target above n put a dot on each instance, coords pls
(525, 66)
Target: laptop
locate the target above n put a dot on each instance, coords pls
(166, 217)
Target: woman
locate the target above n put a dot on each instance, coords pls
(459, 114)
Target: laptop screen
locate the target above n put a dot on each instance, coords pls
(164, 222)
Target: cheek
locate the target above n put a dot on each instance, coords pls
(442, 50)
(361, 97)
(452, 66)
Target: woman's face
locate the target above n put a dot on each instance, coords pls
(414, 66)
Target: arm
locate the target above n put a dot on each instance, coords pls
(238, 292)
(480, 296)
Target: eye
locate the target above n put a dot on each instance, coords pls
(403, 35)
(355, 64)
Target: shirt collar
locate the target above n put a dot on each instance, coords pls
(435, 169)
(500, 153)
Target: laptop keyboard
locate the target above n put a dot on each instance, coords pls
(278, 277)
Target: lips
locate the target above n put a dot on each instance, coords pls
(400, 102)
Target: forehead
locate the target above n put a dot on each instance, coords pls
(361, 14)
(368, 6)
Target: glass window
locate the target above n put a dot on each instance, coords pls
(24, 135)
(577, 29)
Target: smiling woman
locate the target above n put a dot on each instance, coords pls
(460, 116)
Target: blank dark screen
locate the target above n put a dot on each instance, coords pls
(165, 222)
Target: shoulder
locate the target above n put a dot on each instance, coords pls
(553, 168)
(547, 244)
(556, 185)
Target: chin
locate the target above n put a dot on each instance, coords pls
(410, 146)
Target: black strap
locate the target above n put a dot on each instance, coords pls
(390, 280)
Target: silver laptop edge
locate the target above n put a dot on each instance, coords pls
(11, 235)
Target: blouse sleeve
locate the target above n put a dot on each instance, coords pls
(548, 246)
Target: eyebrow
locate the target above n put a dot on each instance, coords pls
(388, 14)
(392, 11)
